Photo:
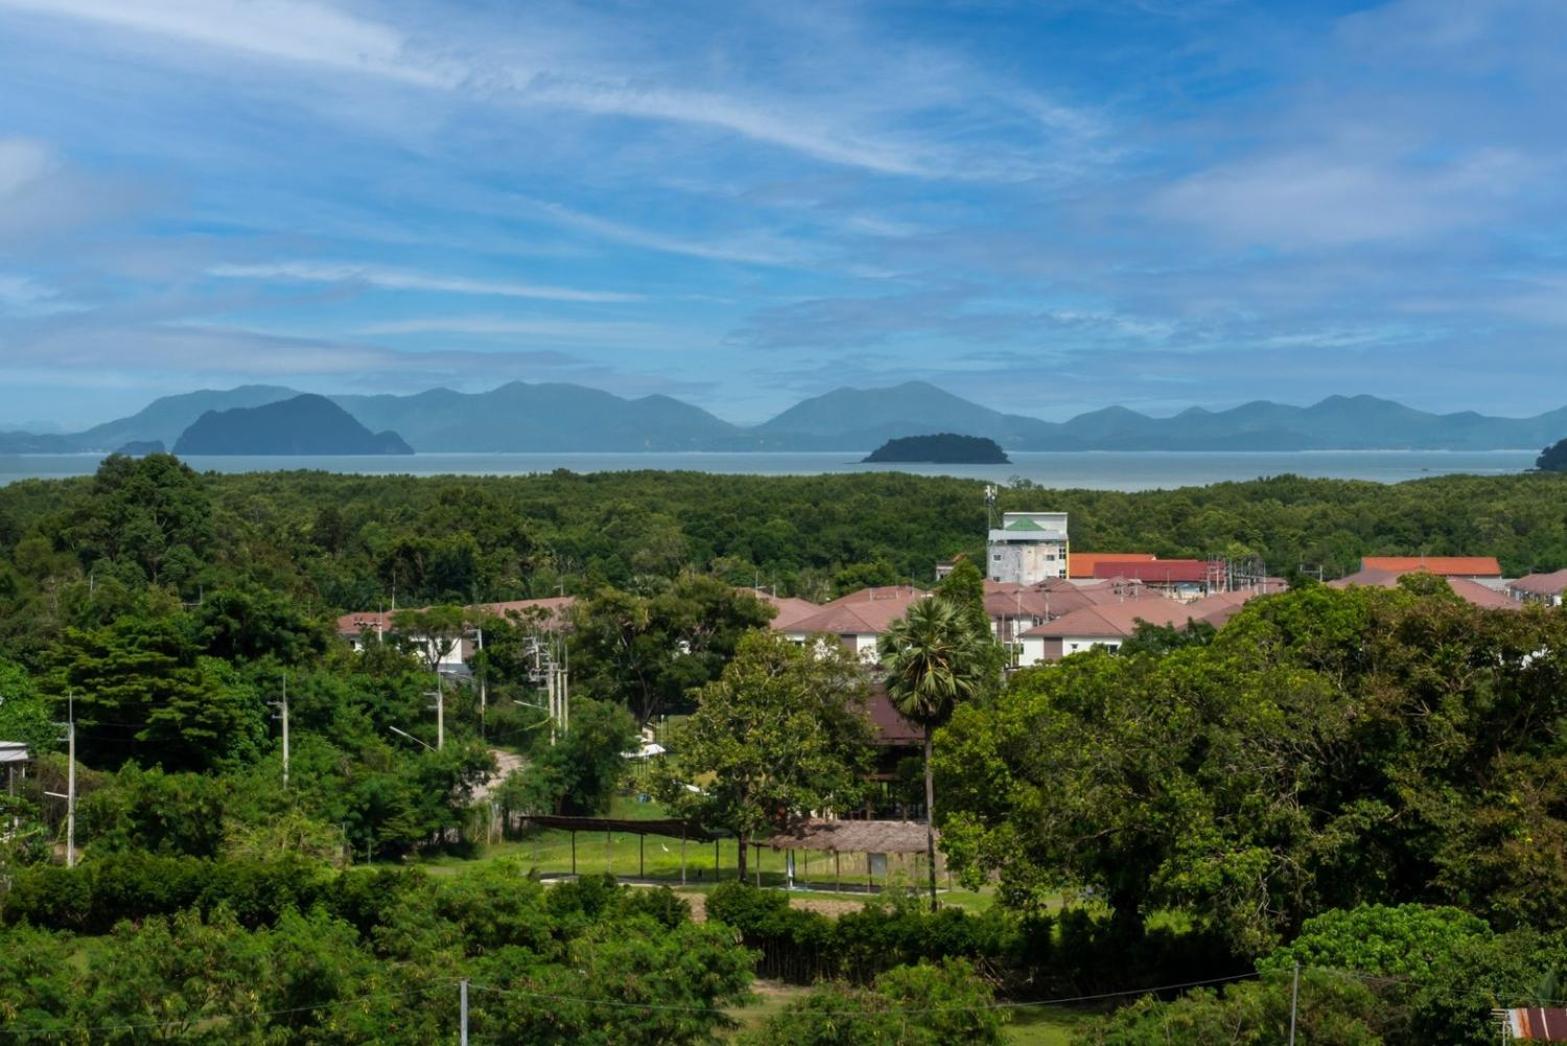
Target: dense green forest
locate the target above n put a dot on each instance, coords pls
(1331, 776)
(334, 542)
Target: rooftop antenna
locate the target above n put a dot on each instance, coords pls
(990, 506)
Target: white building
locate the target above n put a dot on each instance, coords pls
(1030, 547)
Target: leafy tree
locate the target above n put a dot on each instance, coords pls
(142, 690)
(934, 660)
(1333, 1007)
(579, 774)
(649, 652)
(165, 813)
(780, 733)
(945, 1004)
(1327, 749)
(1408, 940)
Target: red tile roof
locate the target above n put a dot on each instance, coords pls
(1082, 564)
(1447, 566)
(1156, 571)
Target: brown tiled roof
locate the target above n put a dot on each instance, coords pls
(876, 837)
(1447, 566)
(1551, 584)
(1113, 620)
(891, 728)
(1082, 564)
(555, 608)
(1470, 591)
(789, 608)
(858, 619)
(1218, 608)
(904, 593)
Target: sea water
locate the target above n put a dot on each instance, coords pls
(1098, 470)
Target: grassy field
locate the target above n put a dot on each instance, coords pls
(630, 856)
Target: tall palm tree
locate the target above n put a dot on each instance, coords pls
(933, 659)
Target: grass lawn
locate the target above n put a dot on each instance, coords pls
(1046, 1025)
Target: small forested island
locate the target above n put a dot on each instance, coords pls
(1553, 458)
(303, 425)
(943, 449)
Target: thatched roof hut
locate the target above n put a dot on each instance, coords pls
(880, 837)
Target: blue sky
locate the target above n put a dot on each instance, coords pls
(1045, 206)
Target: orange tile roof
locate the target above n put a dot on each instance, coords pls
(1447, 566)
(1081, 564)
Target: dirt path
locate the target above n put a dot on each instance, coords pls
(826, 906)
(505, 764)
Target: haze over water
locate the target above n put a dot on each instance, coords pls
(1098, 470)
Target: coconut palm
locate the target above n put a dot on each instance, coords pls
(933, 659)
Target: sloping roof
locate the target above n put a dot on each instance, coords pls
(1218, 608)
(1447, 566)
(876, 837)
(1537, 1024)
(1113, 620)
(1023, 602)
(13, 752)
(871, 618)
(1156, 571)
(906, 593)
(1551, 584)
(789, 608)
(892, 729)
(1081, 564)
(556, 610)
(1470, 591)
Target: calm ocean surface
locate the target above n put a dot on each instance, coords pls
(1102, 470)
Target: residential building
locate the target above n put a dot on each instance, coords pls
(1083, 564)
(789, 609)
(1466, 588)
(1478, 568)
(1107, 626)
(550, 614)
(858, 620)
(1029, 547)
(1539, 588)
(1177, 578)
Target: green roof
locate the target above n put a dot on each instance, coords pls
(1023, 524)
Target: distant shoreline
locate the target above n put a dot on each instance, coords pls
(1087, 469)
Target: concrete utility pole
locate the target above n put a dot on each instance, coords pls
(70, 780)
(1294, 1002)
(463, 1033)
(282, 707)
(439, 693)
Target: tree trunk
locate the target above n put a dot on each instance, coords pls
(741, 859)
(930, 820)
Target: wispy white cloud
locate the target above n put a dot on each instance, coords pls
(288, 30)
(758, 250)
(1340, 197)
(404, 280)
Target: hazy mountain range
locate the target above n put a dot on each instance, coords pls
(521, 417)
